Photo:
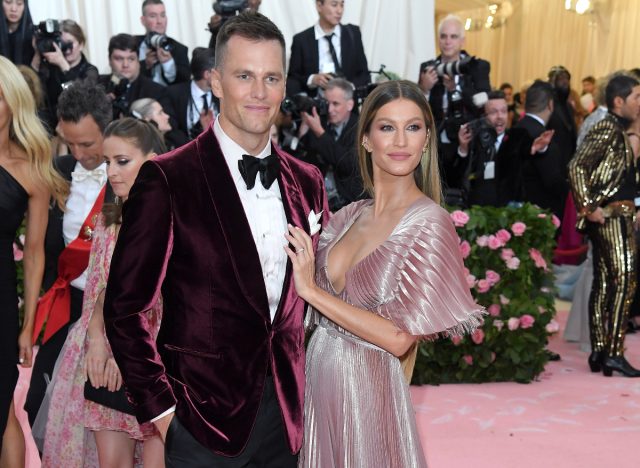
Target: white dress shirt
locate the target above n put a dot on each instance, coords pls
(82, 196)
(160, 71)
(196, 105)
(325, 61)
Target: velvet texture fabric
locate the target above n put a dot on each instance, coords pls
(185, 236)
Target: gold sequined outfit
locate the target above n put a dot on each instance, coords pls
(603, 164)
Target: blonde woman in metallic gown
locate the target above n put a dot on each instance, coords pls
(387, 273)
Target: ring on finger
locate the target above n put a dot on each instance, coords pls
(299, 251)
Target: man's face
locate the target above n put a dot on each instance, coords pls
(339, 107)
(125, 64)
(450, 40)
(630, 108)
(154, 19)
(330, 12)
(561, 81)
(508, 94)
(250, 85)
(496, 113)
(588, 87)
(84, 140)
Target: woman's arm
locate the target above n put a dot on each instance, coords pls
(363, 323)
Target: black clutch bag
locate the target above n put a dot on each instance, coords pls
(115, 400)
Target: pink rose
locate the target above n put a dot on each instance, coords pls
(482, 241)
(498, 324)
(503, 235)
(518, 228)
(460, 218)
(552, 327)
(465, 249)
(17, 253)
(527, 321)
(477, 336)
(456, 340)
(492, 277)
(483, 286)
(555, 221)
(495, 243)
(513, 263)
(513, 323)
(468, 359)
(506, 254)
(536, 256)
(504, 300)
(471, 281)
(542, 215)
(494, 310)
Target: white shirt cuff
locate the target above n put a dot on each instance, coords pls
(169, 411)
(169, 70)
(310, 83)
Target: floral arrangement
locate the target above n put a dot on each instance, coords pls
(506, 253)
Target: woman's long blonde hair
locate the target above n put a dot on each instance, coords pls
(426, 174)
(27, 131)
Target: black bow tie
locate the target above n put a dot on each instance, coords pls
(268, 167)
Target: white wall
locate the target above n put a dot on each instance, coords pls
(397, 33)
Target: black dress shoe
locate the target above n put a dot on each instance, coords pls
(551, 356)
(595, 361)
(619, 364)
(632, 327)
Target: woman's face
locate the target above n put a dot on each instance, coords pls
(123, 160)
(396, 139)
(160, 117)
(13, 10)
(73, 54)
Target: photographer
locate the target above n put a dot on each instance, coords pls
(63, 64)
(162, 58)
(495, 155)
(16, 32)
(125, 84)
(334, 142)
(225, 9)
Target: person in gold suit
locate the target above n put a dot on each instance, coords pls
(604, 180)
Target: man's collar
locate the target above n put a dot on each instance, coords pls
(536, 118)
(624, 122)
(319, 32)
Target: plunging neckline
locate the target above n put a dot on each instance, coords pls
(346, 229)
(14, 179)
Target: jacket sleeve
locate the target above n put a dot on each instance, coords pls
(296, 78)
(362, 76)
(138, 268)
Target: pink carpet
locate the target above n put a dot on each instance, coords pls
(569, 418)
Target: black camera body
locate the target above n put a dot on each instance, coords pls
(47, 33)
(299, 103)
(228, 8)
(451, 69)
(483, 131)
(155, 41)
(118, 87)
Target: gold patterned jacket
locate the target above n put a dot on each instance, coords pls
(596, 170)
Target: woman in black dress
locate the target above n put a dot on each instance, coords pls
(16, 32)
(27, 182)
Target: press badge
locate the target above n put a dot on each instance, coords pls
(490, 170)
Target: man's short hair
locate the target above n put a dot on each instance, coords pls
(250, 25)
(619, 86)
(538, 96)
(150, 2)
(451, 19)
(504, 86)
(84, 98)
(345, 85)
(495, 95)
(589, 79)
(123, 42)
(202, 59)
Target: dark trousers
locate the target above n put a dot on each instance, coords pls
(267, 446)
(46, 359)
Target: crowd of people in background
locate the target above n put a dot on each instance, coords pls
(571, 153)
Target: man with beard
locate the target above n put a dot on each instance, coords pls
(562, 119)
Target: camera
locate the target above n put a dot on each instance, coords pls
(299, 103)
(361, 93)
(228, 8)
(154, 40)
(48, 33)
(451, 69)
(118, 87)
(482, 130)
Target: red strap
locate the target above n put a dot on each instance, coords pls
(54, 307)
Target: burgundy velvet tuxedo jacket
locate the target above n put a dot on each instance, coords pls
(185, 236)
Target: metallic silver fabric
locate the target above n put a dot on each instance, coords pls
(358, 411)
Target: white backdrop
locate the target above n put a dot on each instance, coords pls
(397, 33)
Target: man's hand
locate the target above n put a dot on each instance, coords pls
(540, 143)
(164, 55)
(449, 83)
(428, 79)
(57, 58)
(313, 122)
(151, 58)
(596, 216)
(321, 79)
(162, 425)
(464, 139)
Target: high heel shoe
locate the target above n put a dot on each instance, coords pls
(619, 364)
(595, 361)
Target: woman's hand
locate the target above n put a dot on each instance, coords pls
(25, 348)
(112, 375)
(303, 261)
(57, 58)
(96, 361)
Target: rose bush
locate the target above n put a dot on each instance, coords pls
(507, 252)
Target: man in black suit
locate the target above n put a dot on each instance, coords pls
(334, 143)
(84, 112)
(544, 175)
(325, 51)
(562, 120)
(191, 105)
(168, 64)
(494, 155)
(125, 84)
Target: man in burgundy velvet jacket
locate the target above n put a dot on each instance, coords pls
(224, 382)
